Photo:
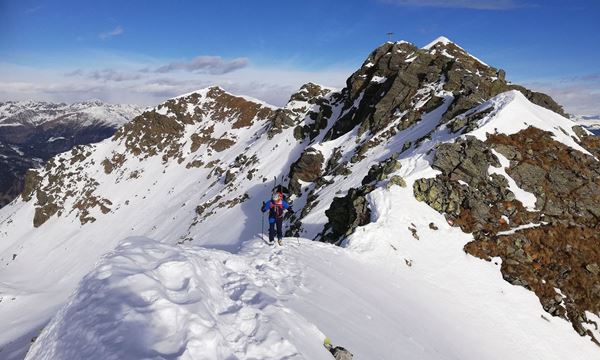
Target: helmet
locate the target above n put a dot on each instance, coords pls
(276, 197)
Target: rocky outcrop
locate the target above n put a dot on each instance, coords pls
(313, 103)
(558, 247)
(346, 214)
(63, 184)
(381, 171)
(395, 86)
(282, 120)
(161, 129)
(381, 88)
(465, 190)
(308, 168)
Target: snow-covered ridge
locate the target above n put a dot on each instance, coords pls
(86, 113)
(444, 42)
(512, 112)
(440, 40)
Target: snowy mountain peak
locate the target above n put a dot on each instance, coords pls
(450, 49)
(399, 42)
(215, 92)
(201, 92)
(91, 102)
(440, 40)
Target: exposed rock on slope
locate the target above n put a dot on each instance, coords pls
(307, 168)
(393, 81)
(552, 249)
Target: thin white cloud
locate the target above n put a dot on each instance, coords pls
(580, 95)
(118, 30)
(465, 4)
(27, 88)
(205, 64)
(122, 82)
(105, 75)
(118, 79)
(34, 9)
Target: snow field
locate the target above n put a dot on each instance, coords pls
(387, 295)
(151, 300)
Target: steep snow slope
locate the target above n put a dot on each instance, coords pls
(194, 170)
(387, 296)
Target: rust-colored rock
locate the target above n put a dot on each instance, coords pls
(562, 250)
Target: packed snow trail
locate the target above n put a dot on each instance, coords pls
(149, 300)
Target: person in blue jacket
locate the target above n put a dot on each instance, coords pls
(276, 207)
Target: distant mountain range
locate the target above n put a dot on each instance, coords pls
(33, 131)
(590, 122)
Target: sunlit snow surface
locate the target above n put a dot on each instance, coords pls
(151, 300)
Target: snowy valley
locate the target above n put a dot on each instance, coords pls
(441, 212)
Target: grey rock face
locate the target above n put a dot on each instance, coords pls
(392, 75)
(467, 161)
(379, 172)
(307, 168)
(345, 214)
(317, 105)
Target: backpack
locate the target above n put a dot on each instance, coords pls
(277, 208)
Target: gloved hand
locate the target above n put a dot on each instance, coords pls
(262, 208)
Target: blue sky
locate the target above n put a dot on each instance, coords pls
(145, 51)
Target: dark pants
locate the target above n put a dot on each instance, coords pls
(279, 224)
